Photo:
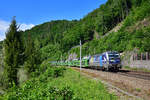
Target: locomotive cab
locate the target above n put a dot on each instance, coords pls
(113, 61)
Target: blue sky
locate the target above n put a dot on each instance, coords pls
(32, 12)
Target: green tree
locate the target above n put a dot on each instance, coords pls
(13, 54)
(32, 56)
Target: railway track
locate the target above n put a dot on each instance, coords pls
(129, 73)
(136, 74)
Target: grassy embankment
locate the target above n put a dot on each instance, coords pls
(59, 84)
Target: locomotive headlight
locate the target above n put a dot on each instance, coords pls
(112, 61)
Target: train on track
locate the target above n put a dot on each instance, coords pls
(109, 61)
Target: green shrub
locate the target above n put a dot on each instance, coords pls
(65, 93)
(59, 71)
(44, 66)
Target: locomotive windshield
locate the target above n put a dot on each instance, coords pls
(113, 55)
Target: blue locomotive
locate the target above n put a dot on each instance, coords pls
(106, 61)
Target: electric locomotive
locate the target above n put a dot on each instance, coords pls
(106, 61)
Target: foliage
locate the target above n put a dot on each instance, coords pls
(71, 86)
(32, 56)
(134, 33)
(50, 32)
(13, 54)
(51, 52)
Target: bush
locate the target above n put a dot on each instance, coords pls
(58, 71)
(65, 93)
(44, 66)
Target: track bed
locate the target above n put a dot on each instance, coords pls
(126, 81)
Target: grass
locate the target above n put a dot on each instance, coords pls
(138, 89)
(83, 87)
(68, 86)
(136, 69)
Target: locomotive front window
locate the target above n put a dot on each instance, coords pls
(113, 55)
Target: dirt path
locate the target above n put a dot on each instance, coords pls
(135, 86)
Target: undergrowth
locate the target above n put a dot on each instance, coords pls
(59, 83)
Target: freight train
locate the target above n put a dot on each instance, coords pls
(106, 61)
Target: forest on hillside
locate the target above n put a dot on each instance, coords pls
(56, 38)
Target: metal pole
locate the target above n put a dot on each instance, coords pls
(61, 60)
(80, 55)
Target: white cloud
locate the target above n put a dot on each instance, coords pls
(4, 25)
(24, 27)
(2, 36)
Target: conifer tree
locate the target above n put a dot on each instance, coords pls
(32, 55)
(13, 51)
